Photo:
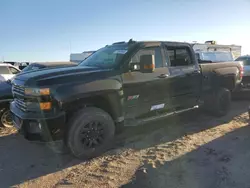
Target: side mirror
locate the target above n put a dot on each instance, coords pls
(147, 63)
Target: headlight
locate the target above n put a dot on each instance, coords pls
(37, 91)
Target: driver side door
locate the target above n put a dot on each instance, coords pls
(144, 91)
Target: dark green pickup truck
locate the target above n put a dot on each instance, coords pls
(123, 84)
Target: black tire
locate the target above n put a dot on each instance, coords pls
(90, 133)
(5, 118)
(220, 102)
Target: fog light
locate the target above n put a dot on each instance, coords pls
(45, 105)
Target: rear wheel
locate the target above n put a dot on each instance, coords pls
(90, 133)
(5, 117)
(219, 103)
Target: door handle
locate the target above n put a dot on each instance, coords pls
(194, 72)
(163, 76)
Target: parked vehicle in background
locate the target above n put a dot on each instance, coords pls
(10, 62)
(43, 65)
(79, 57)
(7, 71)
(245, 84)
(21, 66)
(215, 57)
(123, 84)
(212, 46)
(5, 99)
(6, 94)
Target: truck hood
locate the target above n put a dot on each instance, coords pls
(57, 75)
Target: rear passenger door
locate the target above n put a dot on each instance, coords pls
(185, 77)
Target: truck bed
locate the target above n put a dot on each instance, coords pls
(229, 72)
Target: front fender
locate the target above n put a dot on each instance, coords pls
(108, 93)
(68, 93)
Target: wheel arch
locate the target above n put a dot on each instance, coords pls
(111, 102)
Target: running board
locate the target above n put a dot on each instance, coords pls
(136, 122)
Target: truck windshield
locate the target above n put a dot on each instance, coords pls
(217, 56)
(106, 57)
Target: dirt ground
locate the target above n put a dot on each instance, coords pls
(191, 151)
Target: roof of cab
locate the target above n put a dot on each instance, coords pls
(153, 43)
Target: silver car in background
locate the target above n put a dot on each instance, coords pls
(245, 84)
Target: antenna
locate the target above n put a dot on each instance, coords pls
(70, 46)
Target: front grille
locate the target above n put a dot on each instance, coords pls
(24, 102)
(18, 91)
(18, 94)
(20, 104)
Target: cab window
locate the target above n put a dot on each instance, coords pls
(179, 56)
(149, 51)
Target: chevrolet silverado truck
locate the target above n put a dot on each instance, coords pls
(123, 84)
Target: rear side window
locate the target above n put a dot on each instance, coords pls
(179, 56)
(4, 70)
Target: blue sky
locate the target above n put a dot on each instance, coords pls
(48, 30)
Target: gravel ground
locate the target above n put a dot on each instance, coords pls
(191, 151)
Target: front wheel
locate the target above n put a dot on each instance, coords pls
(90, 133)
(5, 117)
